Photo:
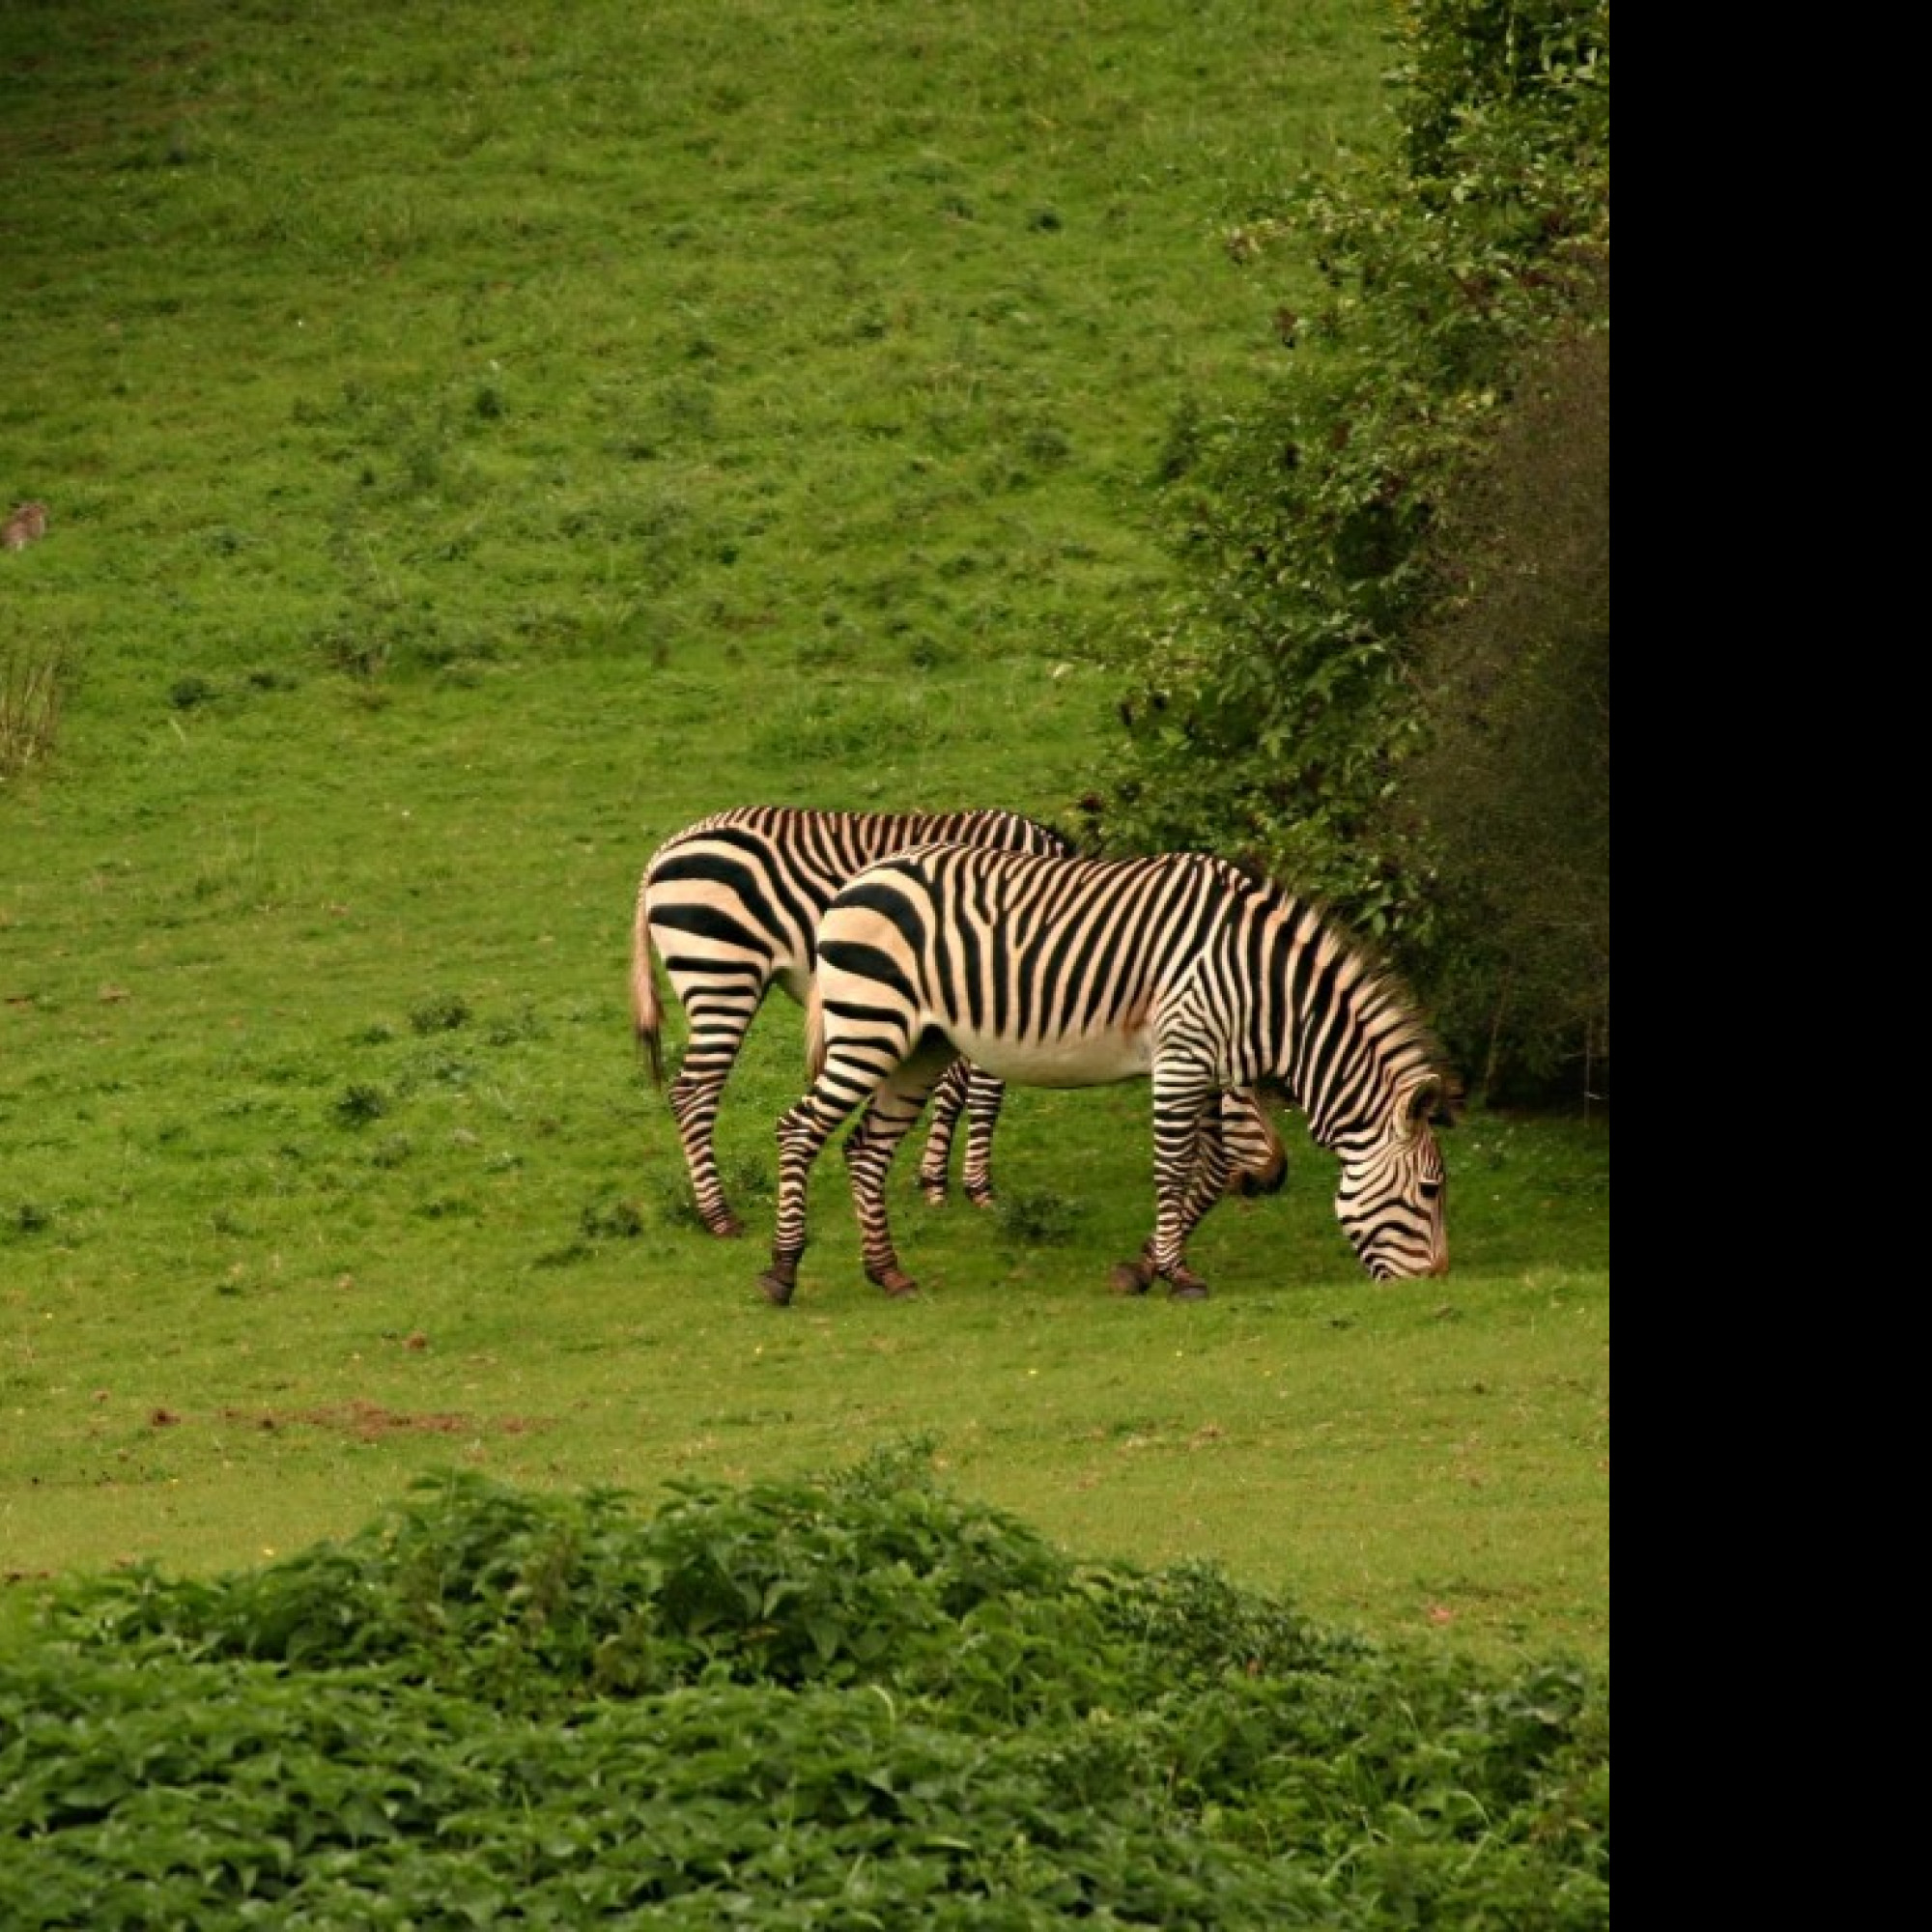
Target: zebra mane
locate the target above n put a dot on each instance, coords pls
(1378, 994)
(1410, 1037)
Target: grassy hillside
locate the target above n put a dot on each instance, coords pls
(478, 441)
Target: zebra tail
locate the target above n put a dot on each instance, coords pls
(814, 1033)
(646, 1014)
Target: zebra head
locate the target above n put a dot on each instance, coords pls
(1390, 1198)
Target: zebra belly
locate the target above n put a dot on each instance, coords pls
(1068, 1060)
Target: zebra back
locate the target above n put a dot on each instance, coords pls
(835, 844)
(759, 876)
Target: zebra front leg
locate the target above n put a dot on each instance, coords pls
(1257, 1159)
(802, 1134)
(869, 1155)
(1137, 1276)
(1190, 1175)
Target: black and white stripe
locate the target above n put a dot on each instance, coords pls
(1056, 972)
(731, 906)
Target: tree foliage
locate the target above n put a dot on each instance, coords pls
(1359, 538)
(1510, 790)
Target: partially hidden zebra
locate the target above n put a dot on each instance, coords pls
(1059, 972)
(730, 904)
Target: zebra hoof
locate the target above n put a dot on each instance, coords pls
(726, 1227)
(1185, 1287)
(980, 1196)
(1129, 1278)
(1253, 1186)
(778, 1287)
(934, 1191)
(898, 1285)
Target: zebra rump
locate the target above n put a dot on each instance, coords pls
(1060, 972)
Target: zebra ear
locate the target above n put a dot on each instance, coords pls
(1438, 1099)
(1425, 1101)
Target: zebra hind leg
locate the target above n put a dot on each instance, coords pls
(984, 1097)
(801, 1134)
(868, 1154)
(693, 1105)
(935, 1165)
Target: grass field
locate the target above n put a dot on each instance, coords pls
(478, 442)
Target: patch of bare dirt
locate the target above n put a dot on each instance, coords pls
(371, 1422)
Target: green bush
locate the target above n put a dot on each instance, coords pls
(859, 1702)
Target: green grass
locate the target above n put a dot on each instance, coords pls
(477, 444)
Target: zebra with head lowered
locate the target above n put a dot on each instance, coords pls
(731, 906)
(1055, 972)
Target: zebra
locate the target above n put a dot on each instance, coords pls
(730, 905)
(1053, 970)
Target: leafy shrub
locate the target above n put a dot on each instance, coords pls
(612, 1218)
(1511, 793)
(855, 1702)
(29, 1217)
(187, 694)
(1037, 1218)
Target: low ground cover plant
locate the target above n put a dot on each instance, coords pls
(854, 1702)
